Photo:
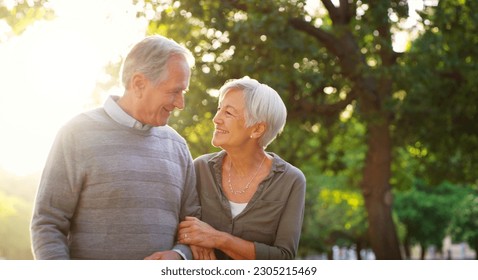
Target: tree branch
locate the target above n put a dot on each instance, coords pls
(237, 5)
(333, 11)
(326, 109)
(347, 10)
(340, 15)
(328, 40)
(305, 106)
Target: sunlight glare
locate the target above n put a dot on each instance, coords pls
(49, 73)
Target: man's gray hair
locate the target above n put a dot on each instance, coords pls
(263, 104)
(150, 57)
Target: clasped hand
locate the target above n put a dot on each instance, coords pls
(200, 236)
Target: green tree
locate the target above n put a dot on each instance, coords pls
(440, 107)
(464, 224)
(335, 212)
(426, 212)
(336, 218)
(18, 15)
(322, 62)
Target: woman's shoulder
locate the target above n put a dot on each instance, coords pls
(290, 170)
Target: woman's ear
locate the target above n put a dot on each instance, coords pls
(259, 130)
(138, 83)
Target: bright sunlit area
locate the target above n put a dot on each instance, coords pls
(49, 72)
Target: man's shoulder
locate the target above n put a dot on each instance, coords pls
(87, 117)
(83, 120)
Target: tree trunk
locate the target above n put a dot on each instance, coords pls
(358, 249)
(476, 248)
(330, 254)
(406, 245)
(377, 191)
(423, 251)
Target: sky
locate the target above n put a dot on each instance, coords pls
(48, 73)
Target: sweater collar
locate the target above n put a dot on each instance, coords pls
(120, 116)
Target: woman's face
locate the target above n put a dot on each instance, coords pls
(230, 125)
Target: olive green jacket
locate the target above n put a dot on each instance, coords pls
(273, 217)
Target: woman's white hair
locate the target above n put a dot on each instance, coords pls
(150, 57)
(263, 104)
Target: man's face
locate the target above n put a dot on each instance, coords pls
(159, 100)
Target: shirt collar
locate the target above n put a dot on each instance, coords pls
(278, 164)
(120, 116)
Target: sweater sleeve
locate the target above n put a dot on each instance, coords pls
(56, 199)
(189, 204)
(290, 225)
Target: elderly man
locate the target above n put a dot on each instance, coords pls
(118, 180)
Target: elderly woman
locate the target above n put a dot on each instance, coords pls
(252, 200)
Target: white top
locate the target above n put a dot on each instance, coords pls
(236, 208)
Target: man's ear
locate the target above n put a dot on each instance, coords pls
(259, 130)
(138, 83)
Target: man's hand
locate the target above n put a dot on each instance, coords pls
(164, 255)
(201, 253)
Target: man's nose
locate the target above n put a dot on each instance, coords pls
(179, 101)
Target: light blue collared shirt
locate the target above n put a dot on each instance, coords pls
(120, 116)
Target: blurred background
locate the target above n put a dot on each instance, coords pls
(382, 103)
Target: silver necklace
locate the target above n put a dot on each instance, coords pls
(243, 190)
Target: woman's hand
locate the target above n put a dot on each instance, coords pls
(193, 231)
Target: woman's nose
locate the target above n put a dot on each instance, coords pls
(217, 118)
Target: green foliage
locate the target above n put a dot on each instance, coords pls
(14, 229)
(438, 136)
(441, 106)
(334, 217)
(20, 14)
(16, 202)
(464, 224)
(335, 213)
(409, 161)
(427, 211)
(7, 208)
